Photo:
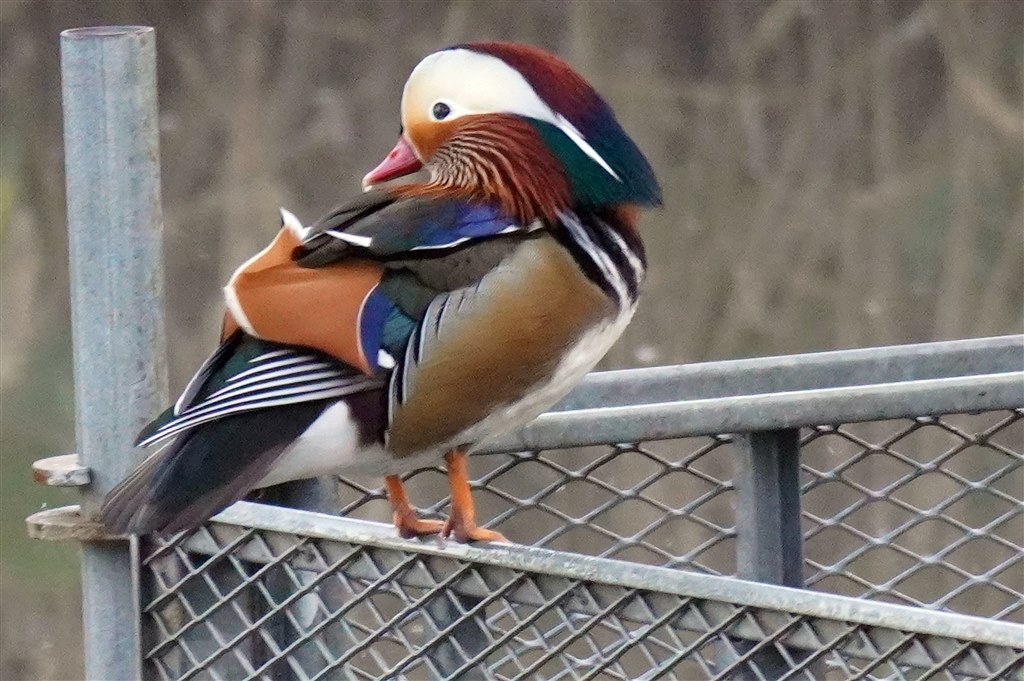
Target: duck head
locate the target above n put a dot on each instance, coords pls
(514, 124)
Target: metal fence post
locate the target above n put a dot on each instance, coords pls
(769, 544)
(769, 541)
(112, 161)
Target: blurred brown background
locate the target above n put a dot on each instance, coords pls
(837, 174)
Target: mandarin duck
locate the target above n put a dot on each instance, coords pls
(418, 320)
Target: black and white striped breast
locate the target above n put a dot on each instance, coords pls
(611, 256)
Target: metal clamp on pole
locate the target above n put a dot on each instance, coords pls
(112, 160)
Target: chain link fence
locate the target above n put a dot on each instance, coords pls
(339, 600)
(922, 511)
(630, 551)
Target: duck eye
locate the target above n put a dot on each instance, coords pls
(440, 111)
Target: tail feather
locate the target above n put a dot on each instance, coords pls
(124, 501)
(203, 471)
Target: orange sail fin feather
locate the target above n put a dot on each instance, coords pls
(274, 299)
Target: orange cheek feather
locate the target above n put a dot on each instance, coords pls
(317, 308)
(428, 136)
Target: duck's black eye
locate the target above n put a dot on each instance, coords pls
(441, 111)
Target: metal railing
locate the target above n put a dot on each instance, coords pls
(887, 481)
(923, 510)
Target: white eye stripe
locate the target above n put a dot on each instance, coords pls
(470, 82)
(572, 133)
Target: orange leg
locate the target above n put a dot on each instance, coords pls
(462, 521)
(405, 518)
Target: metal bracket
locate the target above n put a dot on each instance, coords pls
(61, 471)
(67, 524)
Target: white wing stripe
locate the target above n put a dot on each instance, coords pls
(437, 247)
(354, 239)
(510, 229)
(272, 382)
(271, 355)
(278, 364)
(271, 373)
(271, 394)
(179, 425)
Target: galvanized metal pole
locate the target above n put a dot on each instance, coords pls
(112, 161)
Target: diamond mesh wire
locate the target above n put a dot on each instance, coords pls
(662, 503)
(258, 604)
(926, 511)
